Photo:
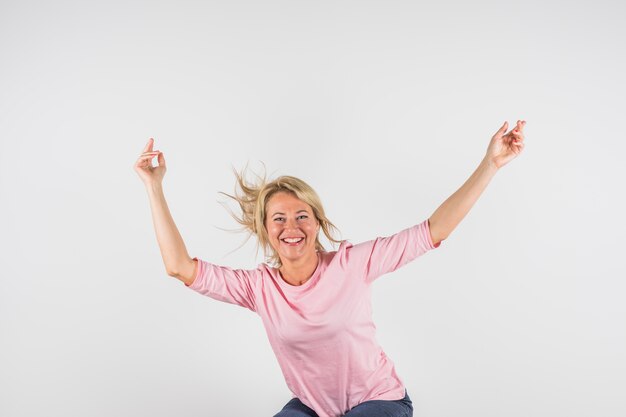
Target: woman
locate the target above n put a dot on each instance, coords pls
(314, 304)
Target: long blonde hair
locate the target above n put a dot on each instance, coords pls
(252, 198)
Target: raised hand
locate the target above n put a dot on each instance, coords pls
(143, 166)
(505, 147)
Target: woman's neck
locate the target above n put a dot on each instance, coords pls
(299, 272)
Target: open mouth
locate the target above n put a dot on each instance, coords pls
(293, 241)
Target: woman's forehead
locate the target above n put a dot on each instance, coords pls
(283, 201)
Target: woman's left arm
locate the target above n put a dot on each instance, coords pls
(502, 149)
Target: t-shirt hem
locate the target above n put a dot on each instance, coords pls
(195, 280)
(429, 236)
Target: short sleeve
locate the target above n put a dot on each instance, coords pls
(386, 254)
(234, 286)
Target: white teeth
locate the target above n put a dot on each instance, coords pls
(295, 240)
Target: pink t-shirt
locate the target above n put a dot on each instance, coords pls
(322, 331)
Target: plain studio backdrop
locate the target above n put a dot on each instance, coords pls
(385, 108)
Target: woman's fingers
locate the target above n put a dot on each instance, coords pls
(519, 126)
(148, 146)
(144, 162)
(146, 157)
(161, 160)
(518, 131)
(143, 165)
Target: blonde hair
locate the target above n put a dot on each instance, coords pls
(253, 197)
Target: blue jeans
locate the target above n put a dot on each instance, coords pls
(373, 408)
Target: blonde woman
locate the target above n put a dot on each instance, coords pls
(315, 304)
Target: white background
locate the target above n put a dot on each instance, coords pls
(385, 108)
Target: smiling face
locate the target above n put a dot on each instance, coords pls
(291, 227)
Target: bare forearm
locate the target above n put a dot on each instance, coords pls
(171, 243)
(450, 213)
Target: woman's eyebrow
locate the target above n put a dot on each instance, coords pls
(279, 212)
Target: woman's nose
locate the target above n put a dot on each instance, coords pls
(291, 224)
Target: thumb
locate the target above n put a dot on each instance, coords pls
(502, 129)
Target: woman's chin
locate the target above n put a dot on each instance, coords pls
(295, 254)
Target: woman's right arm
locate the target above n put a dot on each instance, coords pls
(177, 261)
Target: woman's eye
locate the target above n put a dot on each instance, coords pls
(304, 216)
